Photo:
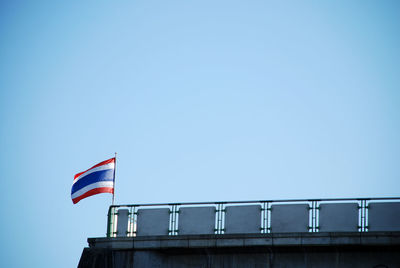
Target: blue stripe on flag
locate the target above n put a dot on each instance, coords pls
(102, 175)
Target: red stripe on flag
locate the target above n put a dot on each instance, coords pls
(105, 162)
(93, 192)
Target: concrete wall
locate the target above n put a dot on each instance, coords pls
(315, 250)
(316, 257)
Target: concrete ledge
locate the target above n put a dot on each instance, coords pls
(248, 240)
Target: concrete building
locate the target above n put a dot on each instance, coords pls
(273, 233)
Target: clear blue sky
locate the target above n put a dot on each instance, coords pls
(202, 100)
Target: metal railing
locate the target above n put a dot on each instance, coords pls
(313, 224)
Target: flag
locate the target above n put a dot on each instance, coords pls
(96, 180)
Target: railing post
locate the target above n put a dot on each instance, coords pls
(173, 219)
(265, 217)
(364, 215)
(220, 218)
(109, 221)
(132, 221)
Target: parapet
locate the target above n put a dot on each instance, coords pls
(255, 217)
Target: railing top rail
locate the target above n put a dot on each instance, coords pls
(256, 201)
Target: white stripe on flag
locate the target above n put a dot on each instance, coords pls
(100, 168)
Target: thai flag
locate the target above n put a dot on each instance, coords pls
(96, 180)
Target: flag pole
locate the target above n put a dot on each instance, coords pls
(115, 166)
